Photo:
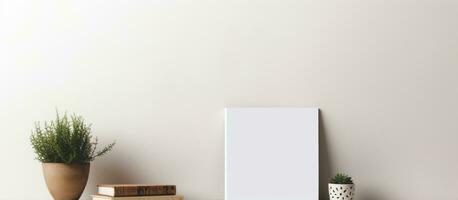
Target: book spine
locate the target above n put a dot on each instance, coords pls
(145, 191)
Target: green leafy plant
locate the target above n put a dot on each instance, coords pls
(66, 140)
(341, 178)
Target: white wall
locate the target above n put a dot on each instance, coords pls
(156, 75)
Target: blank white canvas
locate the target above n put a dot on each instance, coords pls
(271, 154)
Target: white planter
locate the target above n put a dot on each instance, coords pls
(341, 191)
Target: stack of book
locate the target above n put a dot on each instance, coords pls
(136, 192)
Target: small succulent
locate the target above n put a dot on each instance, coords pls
(341, 178)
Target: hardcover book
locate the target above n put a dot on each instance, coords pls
(125, 190)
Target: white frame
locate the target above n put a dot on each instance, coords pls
(294, 132)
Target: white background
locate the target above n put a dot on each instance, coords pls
(156, 75)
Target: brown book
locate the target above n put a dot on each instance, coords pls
(102, 197)
(125, 190)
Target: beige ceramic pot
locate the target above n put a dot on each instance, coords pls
(66, 181)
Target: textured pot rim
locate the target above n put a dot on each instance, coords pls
(51, 163)
(339, 184)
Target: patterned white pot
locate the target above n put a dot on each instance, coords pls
(341, 191)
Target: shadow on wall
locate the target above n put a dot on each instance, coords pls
(110, 170)
(324, 159)
(326, 168)
(368, 195)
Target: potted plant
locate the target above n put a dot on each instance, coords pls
(65, 147)
(341, 187)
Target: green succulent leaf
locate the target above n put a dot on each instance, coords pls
(341, 178)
